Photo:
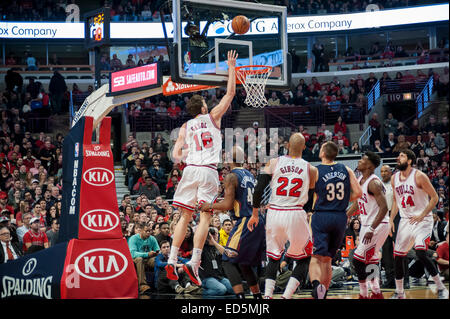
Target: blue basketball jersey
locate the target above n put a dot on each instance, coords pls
(332, 188)
(243, 203)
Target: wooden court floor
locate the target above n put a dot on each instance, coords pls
(349, 292)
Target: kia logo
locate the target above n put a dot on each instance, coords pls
(29, 266)
(101, 264)
(98, 176)
(100, 220)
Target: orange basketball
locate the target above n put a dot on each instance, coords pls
(240, 24)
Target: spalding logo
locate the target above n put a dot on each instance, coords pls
(101, 264)
(98, 176)
(100, 220)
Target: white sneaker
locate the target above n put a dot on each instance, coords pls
(443, 293)
(398, 295)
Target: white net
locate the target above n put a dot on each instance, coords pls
(254, 79)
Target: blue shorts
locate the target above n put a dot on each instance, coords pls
(250, 245)
(328, 231)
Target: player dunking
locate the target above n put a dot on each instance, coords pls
(335, 186)
(374, 225)
(414, 197)
(200, 180)
(244, 248)
(289, 177)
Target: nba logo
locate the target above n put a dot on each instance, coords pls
(77, 149)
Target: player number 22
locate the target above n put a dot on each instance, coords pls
(294, 192)
(206, 139)
(335, 191)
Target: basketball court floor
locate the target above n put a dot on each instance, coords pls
(417, 291)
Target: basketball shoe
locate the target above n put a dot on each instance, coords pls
(192, 272)
(443, 293)
(171, 271)
(319, 292)
(377, 296)
(398, 295)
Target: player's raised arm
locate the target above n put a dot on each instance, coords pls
(177, 152)
(219, 110)
(424, 183)
(356, 191)
(230, 183)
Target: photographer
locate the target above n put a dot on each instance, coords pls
(214, 282)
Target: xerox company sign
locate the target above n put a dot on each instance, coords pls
(101, 264)
(100, 220)
(98, 176)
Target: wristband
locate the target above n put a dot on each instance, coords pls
(371, 229)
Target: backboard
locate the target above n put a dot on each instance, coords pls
(203, 35)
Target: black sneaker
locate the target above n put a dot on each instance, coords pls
(192, 272)
(172, 272)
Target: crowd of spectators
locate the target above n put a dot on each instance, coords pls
(148, 10)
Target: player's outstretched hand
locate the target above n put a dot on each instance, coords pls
(252, 223)
(232, 57)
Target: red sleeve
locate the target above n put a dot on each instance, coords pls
(26, 239)
(441, 251)
(44, 237)
(346, 142)
(19, 217)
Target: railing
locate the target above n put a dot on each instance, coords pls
(365, 137)
(424, 99)
(373, 96)
(312, 115)
(402, 85)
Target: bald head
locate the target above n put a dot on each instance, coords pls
(296, 144)
(238, 154)
(386, 173)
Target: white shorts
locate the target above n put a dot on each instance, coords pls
(198, 184)
(409, 235)
(284, 225)
(368, 253)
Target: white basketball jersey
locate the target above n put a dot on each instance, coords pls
(290, 183)
(411, 200)
(204, 141)
(368, 206)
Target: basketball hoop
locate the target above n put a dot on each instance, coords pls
(254, 78)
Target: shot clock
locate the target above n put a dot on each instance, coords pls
(97, 28)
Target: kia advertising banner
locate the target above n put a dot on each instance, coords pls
(34, 276)
(99, 211)
(99, 269)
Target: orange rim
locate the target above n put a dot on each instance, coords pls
(242, 70)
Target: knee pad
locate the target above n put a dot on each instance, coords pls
(427, 263)
(232, 272)
(249, 275)
(300, 270)
(272, 268)
(360, 269)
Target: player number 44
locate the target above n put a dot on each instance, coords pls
(409, 202)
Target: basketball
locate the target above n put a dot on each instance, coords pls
(240, 24)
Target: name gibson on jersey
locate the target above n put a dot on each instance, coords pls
(291, 169)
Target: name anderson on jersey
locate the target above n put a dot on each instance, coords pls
(332, 175)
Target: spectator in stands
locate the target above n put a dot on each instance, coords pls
(134, 173)
(158, 175)
(174, 111)
(225, 231)
(274, 100)
(164, 233)
(442, 258)
(319, 57)
(418, 145)
(9, 250)
(52, 233)
(143, 248)
(31, 62)
(129, 63)
(376, 128)
(54, 60)
(390, 124)
(401, 129)
(214, 281)
(389, 144)
(400, 52)
(340, 137)
(57, 88)
(370, 81)
(150, 189)
(402, 144)
(432, 125)
(353, 228)
(334, 105)
(165, 285)
(443, 83)
(187, 245)
(340, 126)
(116, 64)
(355, 148)
(34, 236)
